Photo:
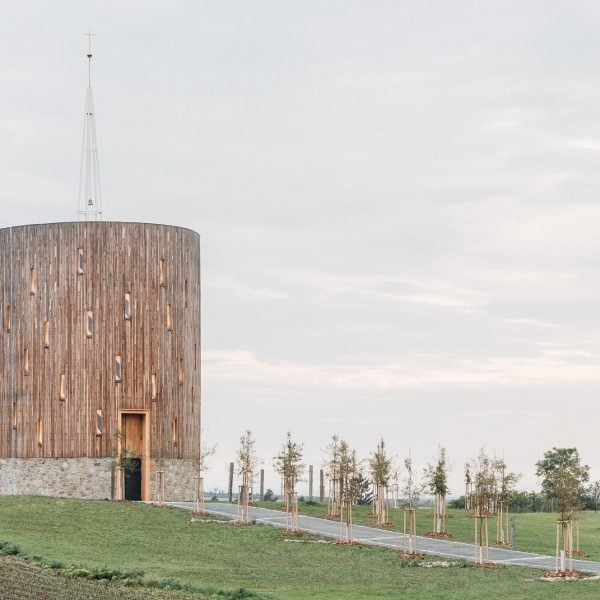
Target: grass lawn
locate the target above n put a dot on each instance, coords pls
(535, 532)
(164, 543)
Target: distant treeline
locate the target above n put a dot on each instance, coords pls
(525, 502)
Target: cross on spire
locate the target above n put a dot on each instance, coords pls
(89, 35)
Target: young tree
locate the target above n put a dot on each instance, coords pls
(344, 463)
(563, 478)
(410, 490)
(410, 494)
(332, 470)
(505, 482)
(288, 463)
(485, 484)
(483, 499)
(200, 463)
(436, 480)
(468, 487)
(247, 461)
(380, 466)
(350, 490)
(354, 479)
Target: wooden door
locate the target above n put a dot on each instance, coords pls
(132, 451)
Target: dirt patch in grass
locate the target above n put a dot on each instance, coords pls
(20, 579)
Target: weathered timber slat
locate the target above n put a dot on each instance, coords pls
(51, 277)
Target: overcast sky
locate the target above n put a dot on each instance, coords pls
(398, 204)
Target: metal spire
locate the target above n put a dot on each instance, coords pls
(90, 200)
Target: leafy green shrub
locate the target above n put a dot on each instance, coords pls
(269, 496)
(239, 594)
(10, 549)
(103, 573)
(132, 573)
(170, 583)
(77, 572)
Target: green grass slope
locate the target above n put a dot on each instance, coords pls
(164, 543)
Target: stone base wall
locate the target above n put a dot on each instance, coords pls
(178, 479)
(66, 477)
(89, 478)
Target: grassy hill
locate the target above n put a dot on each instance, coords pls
(165, 543)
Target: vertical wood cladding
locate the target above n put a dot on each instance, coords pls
(57, 277)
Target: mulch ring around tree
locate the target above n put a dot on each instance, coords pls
(560, 576)
(410, 555)
(441, 534)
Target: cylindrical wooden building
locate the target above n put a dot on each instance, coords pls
(100, 359)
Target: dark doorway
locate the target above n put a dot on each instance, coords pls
(133, 453)
(133, 479)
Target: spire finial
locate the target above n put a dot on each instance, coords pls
(90, 200)
(89, 35)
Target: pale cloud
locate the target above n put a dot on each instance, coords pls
(240, 289)
(583, 144)
(391, 287)
(534, 322)
(549, 366)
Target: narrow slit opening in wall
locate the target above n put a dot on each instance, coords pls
(40, 432)
(61, 394)
(195, 357)
(193, 399)
(8, 318)
(118, 368)
(180, 373)
(127, 306)
(161, 272)
(26, 361)
(169, 318)
(174, 431)
(153, 387)
(99, 423)
(46, 334)
(32, 281)
(185, 293)
(14, 415)
(89, 324)
(80, 261)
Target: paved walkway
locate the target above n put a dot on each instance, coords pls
(393, 539)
